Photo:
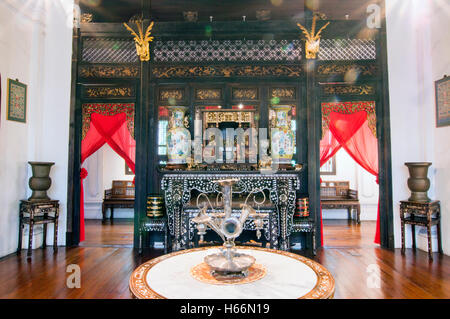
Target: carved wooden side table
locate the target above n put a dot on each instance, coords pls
(35, 213)
(424, 214)
(306, 225)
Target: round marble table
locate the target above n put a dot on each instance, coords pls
(287, 276)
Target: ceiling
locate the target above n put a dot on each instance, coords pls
(222, 10)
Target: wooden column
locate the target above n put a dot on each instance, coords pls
(73, 190)
(384, 141)
(314, 116)
(142, 134)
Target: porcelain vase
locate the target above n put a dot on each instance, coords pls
(40, 181)
(282, 138)
(178, 137)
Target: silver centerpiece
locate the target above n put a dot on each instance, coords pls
(228, 263)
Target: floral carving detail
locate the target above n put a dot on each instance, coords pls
(99, 92)
(283, 93)
(167, 94)
(185, 71)
(208, 94)
(107, 109)
(339, 69)
(109, 71)
(245, 94)
(364, 89)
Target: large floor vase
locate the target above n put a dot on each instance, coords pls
(282, 137)
(40, 181)
(418, 182)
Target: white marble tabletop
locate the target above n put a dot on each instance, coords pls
(288, 276)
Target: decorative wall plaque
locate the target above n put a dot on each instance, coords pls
(186, 71)
(283, 93)
(208, 94)
(339, 89)
(245, 94)
(109, 71)
(443, 102)
(109, 92)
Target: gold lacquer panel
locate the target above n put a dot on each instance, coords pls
(208, 94)
(361, 89)
(171, 94)
(186, 71)
(353, 69)
(108, 71)
(245, 94)
(283, 93)
(108, 92)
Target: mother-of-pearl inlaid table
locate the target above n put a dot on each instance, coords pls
(275, 275)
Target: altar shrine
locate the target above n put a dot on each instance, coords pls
(251, 100)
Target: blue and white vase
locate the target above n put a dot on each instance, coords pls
(282, 140)
(178, 136)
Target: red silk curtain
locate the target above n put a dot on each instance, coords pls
(329, 146)
(351, 131)
(111, 130)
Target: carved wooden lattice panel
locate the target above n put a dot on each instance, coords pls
(122, 50)
(109, 50)
(227, 50)
(347, 49)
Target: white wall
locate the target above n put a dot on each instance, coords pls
(103, 167)
(418, 54)
(440, 66)
(365, 183)
(36, 48)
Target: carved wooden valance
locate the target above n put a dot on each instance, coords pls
(186, 71)
(107, 109)
(108, 71)
(353, 89)
(328, 69)
(109, 92)
(349, 108)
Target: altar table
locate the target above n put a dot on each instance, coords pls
(282, 188)
(286, 276)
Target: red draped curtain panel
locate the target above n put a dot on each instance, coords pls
(111, 130)
(352, 132)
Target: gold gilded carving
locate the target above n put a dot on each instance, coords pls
(312, 39)
(336, 69)
(98, 92)
(86, 18)
(350, 89)
(245, 94)
(283, 93)
(184, 71)
(141, 41)
(166, 94)
(208, 94)
(109, 71)
(219, 117)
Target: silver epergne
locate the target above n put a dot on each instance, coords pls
(228, 262)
